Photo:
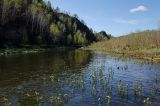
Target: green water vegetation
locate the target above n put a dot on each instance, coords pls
(6, 101)
(83, 85)
(37, 22)
(99, 101)
(147, 102)
(141, 45)
(99, 82)
(108, 98)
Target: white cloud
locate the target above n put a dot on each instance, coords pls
(123, 21)
(140, 8)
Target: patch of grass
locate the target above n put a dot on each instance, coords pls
(142, 45)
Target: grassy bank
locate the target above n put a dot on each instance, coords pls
(141, 45)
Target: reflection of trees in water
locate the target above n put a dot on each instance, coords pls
(22, 67)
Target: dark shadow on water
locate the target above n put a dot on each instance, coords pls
(17, 68)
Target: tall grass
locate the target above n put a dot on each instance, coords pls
(139, 40)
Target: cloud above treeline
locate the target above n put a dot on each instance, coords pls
(140, 8)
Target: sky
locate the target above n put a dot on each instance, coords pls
(116, 17)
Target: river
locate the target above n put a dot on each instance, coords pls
(71, 77)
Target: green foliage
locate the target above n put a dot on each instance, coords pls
(38, 20)
(69, 39)
(48, 16)
(78, 39)
(42, 4)
(18, 3)
(33, 9)
(10, 7)
(5, 8)
(55, 31)
(103, 36)
(39, 13)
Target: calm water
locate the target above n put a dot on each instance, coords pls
(77, 78)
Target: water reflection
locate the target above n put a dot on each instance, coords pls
(75, 77)
(17, 68)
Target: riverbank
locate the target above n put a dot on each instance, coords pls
(149, 55)
(30, 49)
(140, 45)
(13, 51)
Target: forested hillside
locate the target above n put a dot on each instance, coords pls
(28, 22)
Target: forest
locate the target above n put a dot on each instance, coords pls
(36, 22)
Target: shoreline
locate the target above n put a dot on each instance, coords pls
(147, 55)
(14, 51)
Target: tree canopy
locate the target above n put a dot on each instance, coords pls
(40, 22)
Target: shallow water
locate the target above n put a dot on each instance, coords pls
(77, 78)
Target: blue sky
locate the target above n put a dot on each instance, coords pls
(117, 17)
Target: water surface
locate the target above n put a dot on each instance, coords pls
(73, 77)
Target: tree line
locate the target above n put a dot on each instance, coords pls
(37, 22)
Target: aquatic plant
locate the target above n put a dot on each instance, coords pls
(39, 98)
(101, 71)
(127, 90)
(83, 85)
(36, 93)
(120, 89)
(103, 85)
(140, 88)
(59, 101)
(108, 98)
(93, 90)
(99, 101)
(94, 75)
(28, 95)
(52, 78)
(147, 102)
(110, 70)
(135, 88)
(66, 97)
(6, 102)
(51, 99)
(119, 86)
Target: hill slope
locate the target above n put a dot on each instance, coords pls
(35, 22)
